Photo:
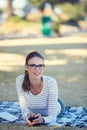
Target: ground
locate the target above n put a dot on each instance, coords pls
(65, 59)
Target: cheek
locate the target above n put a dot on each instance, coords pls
(27, 69)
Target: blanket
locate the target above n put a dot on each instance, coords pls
(72, 116)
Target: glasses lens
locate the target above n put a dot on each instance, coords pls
(41, 66)
(34, 66)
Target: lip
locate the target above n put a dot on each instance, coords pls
(36, 74)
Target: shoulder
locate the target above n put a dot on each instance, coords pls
(19, 79)
(50, 83)
(49, 79)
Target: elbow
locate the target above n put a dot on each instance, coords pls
(50, 119)
(24, 117)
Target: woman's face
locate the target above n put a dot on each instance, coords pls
(35, 67)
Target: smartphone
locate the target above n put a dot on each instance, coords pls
(32, 118)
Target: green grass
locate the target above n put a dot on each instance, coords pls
(65, 60)
(25, 127)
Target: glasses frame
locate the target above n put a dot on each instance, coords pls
(34, 66)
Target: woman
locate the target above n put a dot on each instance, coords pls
(38, 94)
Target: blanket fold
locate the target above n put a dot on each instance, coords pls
(73, 116)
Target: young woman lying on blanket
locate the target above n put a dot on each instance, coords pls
(38, 93)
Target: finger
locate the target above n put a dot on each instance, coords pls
(38, 115)
(30, 115)
(36, 120)
(30, 123)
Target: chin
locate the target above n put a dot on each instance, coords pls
(37, 77)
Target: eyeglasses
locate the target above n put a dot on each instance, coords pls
(34, 66)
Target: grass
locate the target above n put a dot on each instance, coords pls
(25, 127)
(65, 59)
(16, 24)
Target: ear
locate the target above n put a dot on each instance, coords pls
(26, 68)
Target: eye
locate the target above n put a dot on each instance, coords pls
(41, 65)
(32, 65)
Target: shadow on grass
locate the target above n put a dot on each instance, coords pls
(64, 61)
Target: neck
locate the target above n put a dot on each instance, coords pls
(36, 86)
(35, 83)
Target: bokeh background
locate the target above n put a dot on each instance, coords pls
(58, 30)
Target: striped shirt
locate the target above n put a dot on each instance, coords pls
(46, 102)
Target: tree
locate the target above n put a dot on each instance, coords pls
(52, 2)
(85, 8)
(9, 8)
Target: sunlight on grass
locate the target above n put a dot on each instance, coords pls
(55, 62)
(70, 52)
(43, 41)
(9, 61)
(74, 78)
(80, 53)
(75, 52)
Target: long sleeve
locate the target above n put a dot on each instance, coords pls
(22, 96)
(53, 105)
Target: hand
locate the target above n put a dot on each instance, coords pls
(30, 115)
(39, 119)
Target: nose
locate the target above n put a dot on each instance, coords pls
(36, 68)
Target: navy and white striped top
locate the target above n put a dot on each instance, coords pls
(46, 102)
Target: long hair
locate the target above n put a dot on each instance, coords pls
(26, 81)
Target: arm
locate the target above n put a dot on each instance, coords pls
(53, 105)
(22, 97)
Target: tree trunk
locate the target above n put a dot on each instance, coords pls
(9, 8)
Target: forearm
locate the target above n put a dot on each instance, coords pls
(49, 119)
(23, 104)
(24, 108)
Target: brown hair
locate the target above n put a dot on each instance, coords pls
(26, 82)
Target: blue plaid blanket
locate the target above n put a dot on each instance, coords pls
(73, 116)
